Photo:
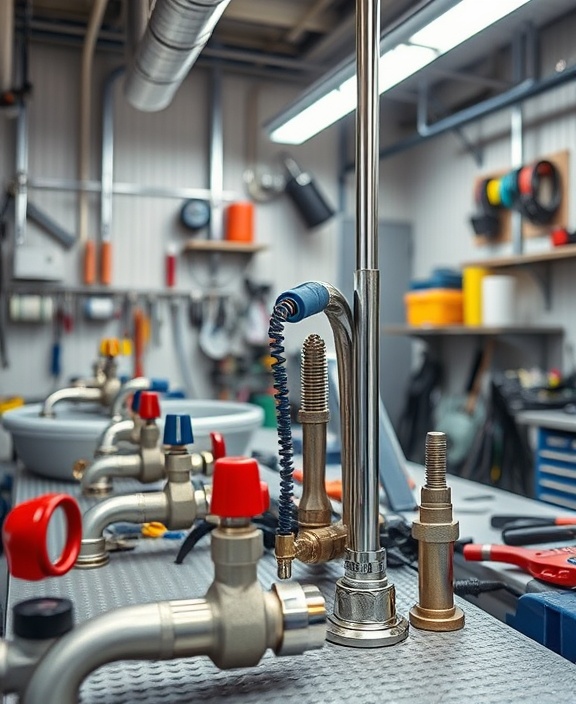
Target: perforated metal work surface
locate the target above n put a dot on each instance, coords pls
(487, 662)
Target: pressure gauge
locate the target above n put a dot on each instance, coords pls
(195, 213)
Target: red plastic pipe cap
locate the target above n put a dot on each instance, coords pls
(237, 491)
(149, 406)
(24, 536)
(218, 445)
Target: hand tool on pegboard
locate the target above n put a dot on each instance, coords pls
(141, 339)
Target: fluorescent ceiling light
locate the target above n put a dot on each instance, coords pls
(456, 25)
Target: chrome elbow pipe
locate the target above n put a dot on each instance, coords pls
(73, 393)
(159, 631)
(139, 383)
(341, 322)
(134, 508)
(123, 466)
(115, 432)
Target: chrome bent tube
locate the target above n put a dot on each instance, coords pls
(113, 465)
(73, 393)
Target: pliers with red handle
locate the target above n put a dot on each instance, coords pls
(555, 566)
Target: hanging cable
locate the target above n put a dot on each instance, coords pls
(276, 334)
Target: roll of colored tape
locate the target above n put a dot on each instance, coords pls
(493, 192)
(509, 189)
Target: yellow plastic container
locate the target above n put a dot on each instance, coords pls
(434, 306)
(472, 287)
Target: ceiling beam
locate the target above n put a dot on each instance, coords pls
(280, 13)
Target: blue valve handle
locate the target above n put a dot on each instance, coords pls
(178, 430)
(135, 405)
(310, 298)
(159, 385)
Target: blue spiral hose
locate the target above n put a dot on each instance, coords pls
(276, 334)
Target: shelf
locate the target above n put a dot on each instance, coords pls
(463, 330)
(223, 246)
(564, 252)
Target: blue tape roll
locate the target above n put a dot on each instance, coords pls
(310, 298)
(509, 189)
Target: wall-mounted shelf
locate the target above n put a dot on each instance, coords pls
(565, 252)
(462, 330)
(538, 265)
(223, 246)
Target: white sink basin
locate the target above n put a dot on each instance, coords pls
(50, 446)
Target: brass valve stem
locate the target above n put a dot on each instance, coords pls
(436, 532)
(314, 508)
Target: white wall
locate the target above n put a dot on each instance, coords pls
(440, 178)
(168, 149)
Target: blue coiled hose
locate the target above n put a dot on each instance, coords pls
(281, 312)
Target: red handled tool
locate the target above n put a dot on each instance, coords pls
(24, 536)
(555, 566)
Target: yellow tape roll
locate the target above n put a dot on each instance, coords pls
(493, 191)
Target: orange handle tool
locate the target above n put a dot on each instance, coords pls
(333, 486)
(89, 271)
(106, 263)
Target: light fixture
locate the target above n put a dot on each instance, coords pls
(437, 29)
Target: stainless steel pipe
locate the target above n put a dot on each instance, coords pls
(364, 606)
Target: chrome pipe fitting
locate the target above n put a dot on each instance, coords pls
(289, 619)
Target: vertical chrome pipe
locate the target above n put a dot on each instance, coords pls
(21, 199)
(517, 137)
(364, 606)
(107, 160)
(364, 519)
(216, 156)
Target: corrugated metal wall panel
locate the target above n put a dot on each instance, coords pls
(166, 149)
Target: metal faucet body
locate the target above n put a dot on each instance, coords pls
(177, 506)
(102, 388)
(117, 431)
(146, 465)
(18, 659)
(234, 624)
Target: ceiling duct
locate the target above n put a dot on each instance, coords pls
(175, 36)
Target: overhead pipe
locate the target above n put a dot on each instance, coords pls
(175, 36)
(6, 44)
(527, 89)
(96, 17)
(137, 13)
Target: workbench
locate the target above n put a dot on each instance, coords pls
(487, 662)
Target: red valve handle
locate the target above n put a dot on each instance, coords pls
(218, 445)
(24, 536)
(149, 407)
(237, 491)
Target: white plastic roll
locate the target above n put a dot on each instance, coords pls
(25, 308)
(499, 300)
(99, 308)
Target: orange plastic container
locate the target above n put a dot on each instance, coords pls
(239, 222)
(434, 306)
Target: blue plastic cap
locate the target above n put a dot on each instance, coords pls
(123, 378)
(136, 401)
(178, 430)
(310, 298)
(159, 385)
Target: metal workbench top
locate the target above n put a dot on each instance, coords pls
(485, 663)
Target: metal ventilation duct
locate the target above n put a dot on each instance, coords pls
(174, 38)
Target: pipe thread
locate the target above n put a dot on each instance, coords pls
(435, 462)
(314, 375)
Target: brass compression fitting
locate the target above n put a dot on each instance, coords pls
(436, 531)
(318, 540)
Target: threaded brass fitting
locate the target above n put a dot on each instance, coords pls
(314, 508)
(285, 553)
(321, 544)
(436, 532)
